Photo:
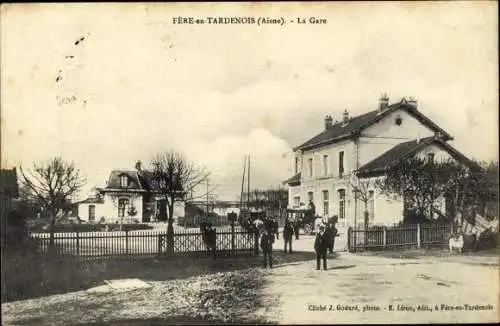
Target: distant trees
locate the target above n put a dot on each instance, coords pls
(272, 199)
(51, 184)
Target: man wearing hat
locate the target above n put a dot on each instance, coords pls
(321, 246)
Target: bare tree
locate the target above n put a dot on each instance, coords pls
(52, 184)
(175, 180)
(362, 190)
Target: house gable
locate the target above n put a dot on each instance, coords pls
(414, 148)
(356, 125)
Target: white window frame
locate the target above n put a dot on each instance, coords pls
(123, 212)
(342, 203)
(326, 203)
(123, 181)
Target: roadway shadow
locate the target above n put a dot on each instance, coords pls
(38, 276)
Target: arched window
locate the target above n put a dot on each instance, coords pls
(122, 207)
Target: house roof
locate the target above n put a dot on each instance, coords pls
(405, 150)
(340, 131)
(139, 181)
(295, 180)
(8, 183)
(133, 180)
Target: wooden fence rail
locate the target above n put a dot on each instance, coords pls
(144, 243)
(398, 237)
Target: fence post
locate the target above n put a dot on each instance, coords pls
(126, 242)
(256, 243)
(349, 231)
(77, 244)
(232, 235)
(418, 236)
(384, 243)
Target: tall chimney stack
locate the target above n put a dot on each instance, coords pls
(328, 122)
(383, 103)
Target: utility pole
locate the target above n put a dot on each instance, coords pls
(207, 199)
(248, 188)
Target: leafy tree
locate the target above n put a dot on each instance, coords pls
(175, 179)
(417, 182)
(420, 183)
(52, 184)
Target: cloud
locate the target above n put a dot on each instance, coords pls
(218, 93)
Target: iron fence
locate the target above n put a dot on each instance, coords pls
(144, 243)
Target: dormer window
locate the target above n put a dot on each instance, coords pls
(123, 181)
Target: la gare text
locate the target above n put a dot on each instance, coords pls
(247, 20)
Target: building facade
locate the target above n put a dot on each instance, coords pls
(129, 196)
(330, 165)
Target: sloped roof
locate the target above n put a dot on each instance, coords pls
(133, 178)
(139, 180)
(295, 180)
(405, 150)
(8, 183)
(340, 131)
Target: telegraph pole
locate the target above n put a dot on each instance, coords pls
(207, 199)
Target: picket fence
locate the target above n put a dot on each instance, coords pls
(420, 235)
(145, 243)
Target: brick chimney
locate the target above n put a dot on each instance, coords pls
(138, 166)
(328, 122)
(383, 103)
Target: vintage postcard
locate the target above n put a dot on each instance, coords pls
(249, 163)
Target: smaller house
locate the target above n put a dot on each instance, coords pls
(129, 195)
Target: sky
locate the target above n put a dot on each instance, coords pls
(105, 85)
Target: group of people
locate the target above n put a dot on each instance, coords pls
(324, 242)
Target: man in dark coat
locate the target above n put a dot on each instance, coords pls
(288, 235)
(266, 244)
(321, 246)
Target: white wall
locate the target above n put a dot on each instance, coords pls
(389, 134)
(83, 211)
(439, 153)
(332, 150)
(110, 206)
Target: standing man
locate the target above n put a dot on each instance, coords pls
(321, 246)
(288, 235)
(266, 244)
